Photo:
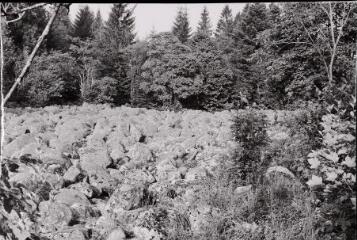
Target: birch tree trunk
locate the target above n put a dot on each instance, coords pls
(32, 55)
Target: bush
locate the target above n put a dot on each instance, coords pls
(334, 177)
(249, 130)
(52, 79)
(18, 205)
(102, 91)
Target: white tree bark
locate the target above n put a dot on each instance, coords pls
(32, 55)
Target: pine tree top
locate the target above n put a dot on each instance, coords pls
(181, 27)
(82, 26)
(204, 26)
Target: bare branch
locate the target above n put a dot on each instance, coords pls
(331, 25)
(33, 53)
(343, 23)
(22, 10)
(282, 42)
(16, 19)
(316, 47)
(323, 8)
(2, 127)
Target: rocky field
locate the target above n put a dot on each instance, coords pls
(117, 173)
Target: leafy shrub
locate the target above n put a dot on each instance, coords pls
(52, 79)
(18, 207)
(249, 131)
(334, 177)
(102, 91)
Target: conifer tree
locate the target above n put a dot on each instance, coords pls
(254, 19)
(204, 26)
(82, 26)
(98, 22)
(247, 66)
(119, 29)
(58, 37)
(225, 23)
(274, 13)
(117, 35)
(181, 28)
(98, 26)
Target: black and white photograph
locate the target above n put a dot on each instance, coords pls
(178, 121)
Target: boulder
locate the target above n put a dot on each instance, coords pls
(197, 173)
(93, 159)
(166, 170)
(70, 197)
(52, 156)
(140, 154)
(16, 148)
(135, 132)
(142, 233)
(243, 190)
(102, 181)
(280, 171)
(85, 188)
(127, 196)
(71, 174)
(37, 125)
(70, 132)
(26, 176)
(138, 176)
(100, 132)
(104, 224)
(75, 232)
(54, 215)
(116, 234)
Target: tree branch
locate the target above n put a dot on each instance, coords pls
(22, 10)
(33, 53)
(316, 47)
(2, 127)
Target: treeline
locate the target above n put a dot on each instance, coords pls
(268, 55)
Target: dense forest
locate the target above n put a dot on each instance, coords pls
(271, 56)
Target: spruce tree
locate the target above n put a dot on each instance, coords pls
(118, 34)
(58, 37)
(82, 26)
(274, 13)
(181, 28)
(254, 19)
(98, 26)
(225, 23)
(204, 26)
(119, 29)
(247, 66)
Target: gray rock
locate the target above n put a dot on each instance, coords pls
(197, 173)
(103, 181)
(54, 215)
(243, 190)
(70, 197)
(142, 233)
(85, 188)
(140, 154)
(127, 197)
(104, 224)
(17, 147)
(138, 176)
(72, 174)
(116, 234)
(94, 158)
